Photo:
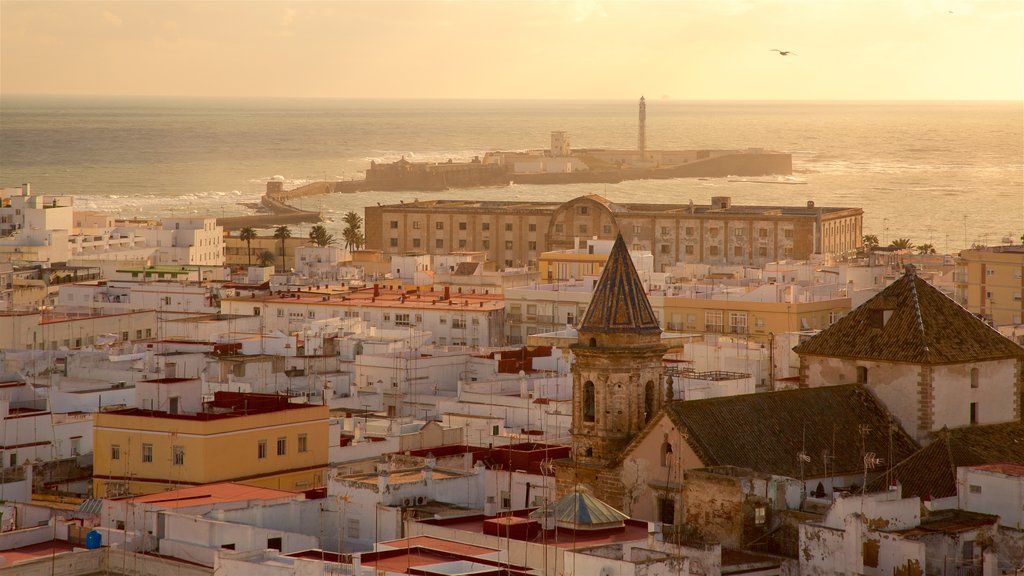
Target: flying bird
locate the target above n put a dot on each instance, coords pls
(783, 52)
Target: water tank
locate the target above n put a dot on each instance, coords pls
(93, 540)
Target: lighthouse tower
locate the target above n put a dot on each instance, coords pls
(641, 139)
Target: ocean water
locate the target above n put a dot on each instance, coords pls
(946, 173)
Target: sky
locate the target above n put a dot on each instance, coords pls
(544, 49)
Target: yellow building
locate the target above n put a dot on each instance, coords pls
(256, 439)
(755, 317)
(990, 281)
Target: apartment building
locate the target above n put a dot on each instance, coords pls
(174, 439)
(989, 282)
(515, 234)
(453, 318)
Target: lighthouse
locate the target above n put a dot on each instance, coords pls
(641, 138)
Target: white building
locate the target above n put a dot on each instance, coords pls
(931, 362)
(34, 228)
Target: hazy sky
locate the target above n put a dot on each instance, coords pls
(683, 49)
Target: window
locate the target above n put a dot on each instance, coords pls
(401, 319)
(462, 244)
(415, 242)
(666, 454)
(760, 515)
(438, 225)
(416, 225)
(115, 451)
(167, 300)
(394, 242)
(178, 455)
(975, 489)
(713, 321)
(833, 317)
(737, 251)
(282, 446)
(508, 227)
(583, 228)
(352, 530)
(974, 413)
(303, 443)
(147, 453)
(737, 232)
(439, 243)
(975, 380)
(788, 233)
(583, 210)
(607, 228)
(274, 543)
(261, 449)
(637, 229)
(862, 375)
(532, 245)
(737, 322)
(486, 244)
(506, 499)
(462, 226)
(558, 228)
(762, 232)
(713, 251)
(394, 224)
(485, 226)
(666, 511)
(508, 244)
(689, 250)
(588, 401)
(689, 230)
(665, 231)
(665, 249)
(532, 228)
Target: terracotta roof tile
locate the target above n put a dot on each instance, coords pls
(911, 321)
(931, 471)
(766, 432)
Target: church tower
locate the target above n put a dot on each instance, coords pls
(617, 377)
(641, 138)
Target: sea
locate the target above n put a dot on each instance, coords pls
(949, 174)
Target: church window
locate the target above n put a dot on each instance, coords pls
(588, 401)
(593, 342)
(666, 454)
(975, 380)
(666, 511)
(648, 401)
(862, 375)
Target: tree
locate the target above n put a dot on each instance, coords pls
(902, 244)
(282, 233)
(926, 249)
(353, 234)
(318, 235)
(247, 235)
(870, 242)
(265, 258)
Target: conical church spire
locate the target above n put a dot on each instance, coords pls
(619, 304)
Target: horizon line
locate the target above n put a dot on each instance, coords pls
(498, 99)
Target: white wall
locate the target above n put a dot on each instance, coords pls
(992, 492)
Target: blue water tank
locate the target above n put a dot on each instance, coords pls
(93, 540)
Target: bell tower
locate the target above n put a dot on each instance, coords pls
(617, 377)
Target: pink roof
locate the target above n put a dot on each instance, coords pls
(389, 298)
(1008, 469)
(35, 551)
(209, 494)
(439, 544)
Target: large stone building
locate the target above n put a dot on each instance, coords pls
(516, 233)
(989, 282)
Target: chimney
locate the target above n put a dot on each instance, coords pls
(26, 189)
(376, 290)
(382, 482)
(447, 293)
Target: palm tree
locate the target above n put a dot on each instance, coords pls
(318, 235)
(352, 234)
(247, 235)
(870, 242)
(265, 258)
(901, 244)
(282, 233)
(926, 249)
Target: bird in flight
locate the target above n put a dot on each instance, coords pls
(783, 52)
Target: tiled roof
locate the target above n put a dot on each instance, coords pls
(580, 509)
(911, 321)
(766, 432)
(931, 471)
(619, 303)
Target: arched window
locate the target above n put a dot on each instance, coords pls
(593, 342)
(588, 452)
(648, 401)
(588, 401)
(666, 454)
(975, 378)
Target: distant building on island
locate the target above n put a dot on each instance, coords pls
(515, 234)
